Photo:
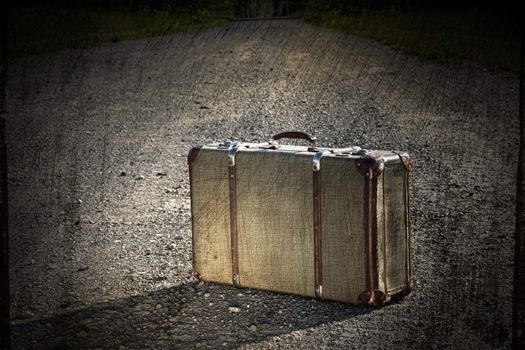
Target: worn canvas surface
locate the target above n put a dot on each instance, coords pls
(395, 240)
(342, 230)
(211, 216)
(274, 193)
(275, 221)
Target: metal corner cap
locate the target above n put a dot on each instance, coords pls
(370, 166)
(193, 153)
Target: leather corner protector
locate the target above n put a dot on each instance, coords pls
(370, 166)
(372, 298)
(193, 153)
(407, 162)
(411, 285)
(405, 159)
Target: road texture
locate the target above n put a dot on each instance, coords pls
(99, 193)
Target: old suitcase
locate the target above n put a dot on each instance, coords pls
(318, 222)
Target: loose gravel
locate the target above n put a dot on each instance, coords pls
(99, 195)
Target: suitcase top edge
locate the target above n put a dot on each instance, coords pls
(387, 156)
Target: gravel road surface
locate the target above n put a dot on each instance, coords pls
(99, 193)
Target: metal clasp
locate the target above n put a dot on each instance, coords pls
(316, 161)
(232, 147)
(269, 145)
(229, 144)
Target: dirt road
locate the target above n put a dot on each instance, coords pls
(98, 184)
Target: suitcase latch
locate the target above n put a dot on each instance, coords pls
(352, 151)
(228, 144)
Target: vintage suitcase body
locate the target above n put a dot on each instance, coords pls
(325, 223)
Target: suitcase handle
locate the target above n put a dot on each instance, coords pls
(295, 135)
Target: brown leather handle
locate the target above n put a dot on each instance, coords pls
(295, 135)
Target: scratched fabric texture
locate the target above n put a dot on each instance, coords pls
(274, 198)
(342, 225)
(394, 261)
(275, 219)
(211, 217)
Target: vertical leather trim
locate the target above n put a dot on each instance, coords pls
(318, 261)
(407, 162)
(370, 193)
(232, 174)
(318, 237)
(371, 167)
(192, 155)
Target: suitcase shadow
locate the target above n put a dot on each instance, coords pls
(191, 315)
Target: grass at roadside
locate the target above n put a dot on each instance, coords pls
(491, 39)
(38, 30)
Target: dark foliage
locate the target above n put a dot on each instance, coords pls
(351, 6)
